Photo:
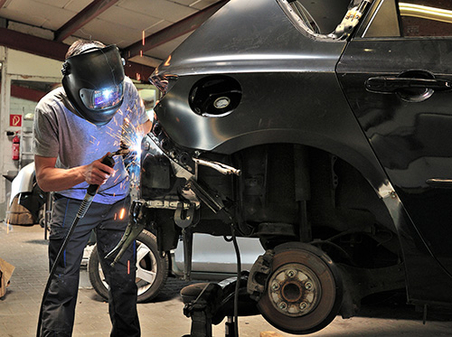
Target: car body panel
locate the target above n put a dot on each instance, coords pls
(410, 137)
(299, 58)
(23, 182)
(267, 52)
(255, 37)
(28, 194)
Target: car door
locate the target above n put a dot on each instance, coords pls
(397, 76)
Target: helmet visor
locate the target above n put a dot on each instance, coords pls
(101, 99)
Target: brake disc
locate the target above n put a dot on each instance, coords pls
(303, 292)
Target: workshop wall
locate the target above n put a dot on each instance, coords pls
(24, 78)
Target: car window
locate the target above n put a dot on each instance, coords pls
(425, 17)
(411, 18)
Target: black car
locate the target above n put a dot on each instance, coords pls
(322, 128)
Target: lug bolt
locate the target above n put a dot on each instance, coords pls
(290, 273)
(282, 305)
(275, 286)
(303, 305)
(308, 285)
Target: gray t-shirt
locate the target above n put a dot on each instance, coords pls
(74, 141)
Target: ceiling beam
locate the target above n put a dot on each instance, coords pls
(32, 44)
(26, 93)
(139, 72)
(57, 51)
(87, 14)
(180, 28)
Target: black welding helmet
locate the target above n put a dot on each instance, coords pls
(94, 82)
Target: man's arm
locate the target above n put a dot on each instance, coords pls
(144, 128)
(50, 178)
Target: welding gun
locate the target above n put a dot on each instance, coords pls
(107, 160)
(93, 188)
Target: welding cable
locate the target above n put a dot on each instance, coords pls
(239, 280)
(84, 206)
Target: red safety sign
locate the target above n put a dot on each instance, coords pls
(15, 120)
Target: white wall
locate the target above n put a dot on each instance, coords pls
(19, 106)
(18, 65)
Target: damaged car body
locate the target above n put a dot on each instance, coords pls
(322, 128)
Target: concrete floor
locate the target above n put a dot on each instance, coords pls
(26, 249)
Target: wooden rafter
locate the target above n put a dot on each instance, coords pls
(57, 50)
(89, 13)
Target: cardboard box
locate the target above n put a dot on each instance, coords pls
(6, 271)
(18, 214)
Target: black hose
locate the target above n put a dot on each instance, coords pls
(238, 283)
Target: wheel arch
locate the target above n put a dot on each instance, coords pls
(360, 157)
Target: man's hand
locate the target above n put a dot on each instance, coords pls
(97, 173)
(55, 179)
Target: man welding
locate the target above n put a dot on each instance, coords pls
(75, 126)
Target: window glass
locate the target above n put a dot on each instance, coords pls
(410, 18)
(425, 17)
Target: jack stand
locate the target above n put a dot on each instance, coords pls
(200, 304)
(210, 303)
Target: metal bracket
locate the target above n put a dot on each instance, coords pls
(187, 237)
(183, 217)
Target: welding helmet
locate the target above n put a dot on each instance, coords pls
(94, 81)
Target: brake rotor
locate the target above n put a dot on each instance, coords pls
(304, 290)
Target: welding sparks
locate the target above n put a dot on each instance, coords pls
(122, 213)
(131, 137)
(9, 227)
(128, 140)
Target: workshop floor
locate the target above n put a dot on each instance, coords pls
(25, 248)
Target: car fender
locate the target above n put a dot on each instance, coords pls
(23, 182)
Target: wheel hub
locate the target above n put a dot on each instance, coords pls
(299, 288)
(294, 290)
